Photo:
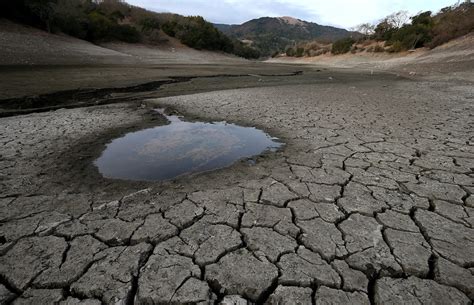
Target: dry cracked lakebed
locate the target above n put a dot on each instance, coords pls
(369, 202)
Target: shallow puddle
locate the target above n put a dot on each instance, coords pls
(180, 148)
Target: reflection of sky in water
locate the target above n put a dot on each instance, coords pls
(166, 152)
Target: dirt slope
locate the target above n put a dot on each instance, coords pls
(23, 45)
(456, 57)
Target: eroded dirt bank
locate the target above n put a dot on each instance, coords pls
(370, 201)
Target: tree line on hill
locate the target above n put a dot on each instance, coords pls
(398, 32)
(423, 30)
(115, 20)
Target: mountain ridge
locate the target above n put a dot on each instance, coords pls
(274, 34)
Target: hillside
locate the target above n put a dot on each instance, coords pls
(269, 34)
(26, 45)
(100, 21)
(454, 58)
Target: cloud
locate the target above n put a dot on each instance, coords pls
(343, 13)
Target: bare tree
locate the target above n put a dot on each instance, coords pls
(398, 19)
(366, 29)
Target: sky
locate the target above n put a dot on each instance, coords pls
(341, 13)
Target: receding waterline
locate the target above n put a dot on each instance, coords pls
(181, 148)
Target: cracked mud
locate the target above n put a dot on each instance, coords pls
(370, 202)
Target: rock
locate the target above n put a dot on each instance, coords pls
(411, 250)
(448, 238)
(352, 279)
(358, 199)
(324, 175)
(452, 275)
(40, 296)
(114, 232)
(290, 295)
(154, 230)
(262, 215)
(449, 177)
(364, 240)
(72, 229)
(137, 205)
(322, 237)
(110, 279)
(398, 201)
(373, 177)
(39, 224)
(435, 161)
(184, 214)
(234, 300)
(324, 193)
(23, 207)
(308, 159)
(30, 257)
(436, 190)
(74, 301)
(223, 207)
(397, 221)
(241, 273)
(306, 268)
(306, 210)
(83, 251)
(269, 242)
(361, 232)
(5, 295)
(209, 242)
(193, 291)
(210, 198)
(328, 296)
(454, 212)
(413, 290)
(49, 221)
(164, 275)
(277, 194)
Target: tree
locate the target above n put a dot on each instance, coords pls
(384, 30)
(389, 25)
(342, 46)
(43, 10)
(398, 19)
(366, 29)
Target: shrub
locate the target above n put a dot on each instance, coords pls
(197, 33)
(125, 33)
(149, 24)
(451, 23)
(299, 52)
(384, 31)
(290, 52)
(342, 46)
(396, 47)
(245, 51)
(378, 49)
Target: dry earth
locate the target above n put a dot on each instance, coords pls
(453, 60)
(369, 202)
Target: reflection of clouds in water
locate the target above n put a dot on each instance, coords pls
(186, 141)
(180, 148)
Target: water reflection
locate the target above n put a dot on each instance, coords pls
(166, 152)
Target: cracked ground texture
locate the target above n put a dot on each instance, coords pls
(369, 202)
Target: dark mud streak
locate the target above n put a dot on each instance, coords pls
(93, 97)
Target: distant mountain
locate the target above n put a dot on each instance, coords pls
(270, 34)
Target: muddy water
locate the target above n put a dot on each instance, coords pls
(181, 148)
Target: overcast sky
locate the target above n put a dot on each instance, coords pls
(343, 13)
